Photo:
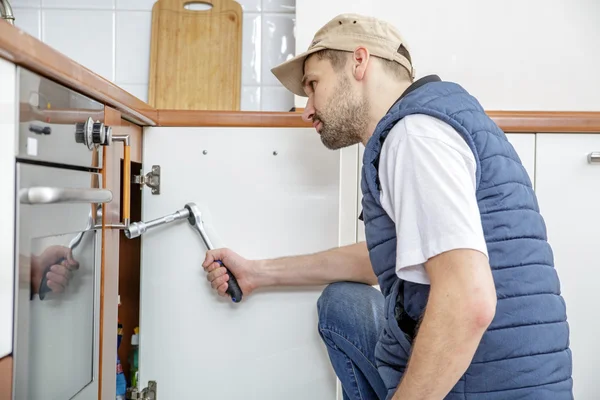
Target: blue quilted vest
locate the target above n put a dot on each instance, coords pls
(525, 352)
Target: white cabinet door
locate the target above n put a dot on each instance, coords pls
(264, 193)
(524, 145)
(568, 189)
(8, 133)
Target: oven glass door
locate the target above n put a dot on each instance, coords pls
(56, 338)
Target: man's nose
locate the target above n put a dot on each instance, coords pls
(309, 111)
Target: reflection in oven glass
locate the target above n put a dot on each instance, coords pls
(61, 315)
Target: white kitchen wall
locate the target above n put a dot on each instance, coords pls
(112, 38)
(511, 54)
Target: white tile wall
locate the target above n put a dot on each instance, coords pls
(131, 46)
(278, 43)
(112, 38)
(83, 35)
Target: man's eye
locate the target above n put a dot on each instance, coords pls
(313, 84)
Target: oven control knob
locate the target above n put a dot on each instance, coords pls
(80, 132)
(107, 136)
(98, 133)
(83, 132)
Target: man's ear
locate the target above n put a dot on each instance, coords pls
(360, 61)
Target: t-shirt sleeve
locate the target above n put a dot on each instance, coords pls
(427, 176)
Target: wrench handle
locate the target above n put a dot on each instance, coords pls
(233, 288)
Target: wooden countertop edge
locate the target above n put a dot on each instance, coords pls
(509, 121)
(547, 121)
(22, 49)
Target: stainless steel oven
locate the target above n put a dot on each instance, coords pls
(59, 198)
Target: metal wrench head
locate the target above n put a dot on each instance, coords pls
(195, 219)
(134, 230)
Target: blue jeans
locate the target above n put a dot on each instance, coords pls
(351, 317)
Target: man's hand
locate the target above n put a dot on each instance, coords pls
(461, 306)
(61, 265)
(245, 271)
(346, 263)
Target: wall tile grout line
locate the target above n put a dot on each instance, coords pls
(114, 46)
(40, 24)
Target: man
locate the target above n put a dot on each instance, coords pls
(470, 303)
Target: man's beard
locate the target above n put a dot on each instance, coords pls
(343, 119)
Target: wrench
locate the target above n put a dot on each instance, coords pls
(192, 213)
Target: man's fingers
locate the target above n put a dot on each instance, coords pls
(72, 264)
(61, 252)
(213, 266)
(215, 273)
(55, 286)
(209, 258)
(214, 255)
(222, 289)
(57, 278)
(62, 270)
(219, 281)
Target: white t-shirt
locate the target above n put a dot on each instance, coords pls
(427, 177)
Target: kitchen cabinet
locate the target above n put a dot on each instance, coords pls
(263, 192)
(568, 187)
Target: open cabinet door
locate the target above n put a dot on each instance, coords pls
(263, 192)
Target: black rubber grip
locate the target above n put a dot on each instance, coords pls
(233, 288)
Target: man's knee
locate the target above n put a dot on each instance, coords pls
(337, 296)
(332, 295)
(343, 303)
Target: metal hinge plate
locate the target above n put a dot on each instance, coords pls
(151, 179)
(148, 393)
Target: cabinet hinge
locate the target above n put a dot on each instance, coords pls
(148, 393)
(151, 179)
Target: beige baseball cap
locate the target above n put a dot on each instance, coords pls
(346, 32)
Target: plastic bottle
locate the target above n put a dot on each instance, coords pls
(121, 382)
(133, 357)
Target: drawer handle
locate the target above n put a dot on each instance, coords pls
(594, 157)
(53, 195)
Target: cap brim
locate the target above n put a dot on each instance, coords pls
(291, 72)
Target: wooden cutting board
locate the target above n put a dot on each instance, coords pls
(195, 56)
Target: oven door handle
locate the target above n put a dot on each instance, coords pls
(53, 195)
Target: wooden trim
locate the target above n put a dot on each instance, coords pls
(547, 121)
(231, 118)
(509, 121)
(6, 375)
(541, 121)
(110, 260)
(22, 49)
